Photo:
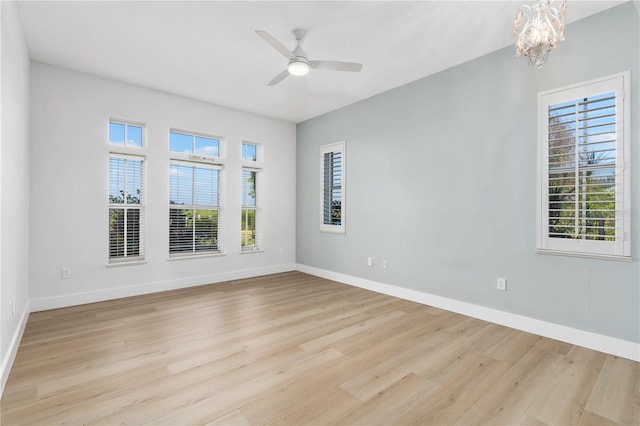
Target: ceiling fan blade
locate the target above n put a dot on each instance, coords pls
(278, 78)
(336, 66)
(275, 44)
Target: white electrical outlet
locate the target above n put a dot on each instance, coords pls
(501, 284)
(66, 273)
(12, 309)
(369, 261)
(385, 264)
(281, 250)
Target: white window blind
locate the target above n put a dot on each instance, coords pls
(251, 215)
(332, 191)
(584, 206)
(194, 208)
(126, 204)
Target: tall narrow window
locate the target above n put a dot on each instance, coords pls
(126, 191)
(125, 207)
(250, 221)
(194, 195)
(251, 198)
(584, 200)
(332, 188)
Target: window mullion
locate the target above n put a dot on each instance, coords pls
(576, 178)
(126, 228)
(193, 230)
(124, 181)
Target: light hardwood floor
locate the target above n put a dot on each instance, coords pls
(293, 349)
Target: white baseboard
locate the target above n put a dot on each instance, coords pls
(65, 300)
(12, 350)
(598, 342)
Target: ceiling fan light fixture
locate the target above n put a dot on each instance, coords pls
(297, 67)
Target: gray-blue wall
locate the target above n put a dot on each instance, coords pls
(441, 182)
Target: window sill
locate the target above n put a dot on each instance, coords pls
(126, 263)
(194, 256)
(333, 231)
(251, 251)
(585, 255)
(127, 150)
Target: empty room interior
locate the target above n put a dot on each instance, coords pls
(320, 212)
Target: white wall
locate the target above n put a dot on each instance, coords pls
(70, 112)
(14, 187)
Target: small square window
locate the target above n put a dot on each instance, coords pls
(249, 152)
(124, 134)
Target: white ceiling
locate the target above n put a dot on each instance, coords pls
(208, 50)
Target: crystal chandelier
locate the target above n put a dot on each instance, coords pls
(538, 30)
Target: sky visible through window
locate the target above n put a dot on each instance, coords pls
(125, 180)
(119, 132)
(193, 144)
(193, 186)
(249, 188)
(249, 152)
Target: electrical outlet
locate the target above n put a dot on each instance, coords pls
(281, 250)
(385, 264)
(65, 273)
(501, 284)
(369, 261)
(12, 307)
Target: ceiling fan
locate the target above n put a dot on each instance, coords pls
(299, 63)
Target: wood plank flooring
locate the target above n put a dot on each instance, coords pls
(293, 349)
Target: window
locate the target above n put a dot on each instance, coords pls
(125, 207)
(194, 195)
(197, 146)
(126, 192)
(249, 152)
(251, 197)
(332, 190)
(125, 134)
(584, 185)
(250, 221)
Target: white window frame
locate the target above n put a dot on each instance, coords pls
(259, 153)
(203, 162)
(257, 166)
(258, 243)
(620, 248)
(219, 159)
(338, 147)
(125, 147)
(133, 153)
